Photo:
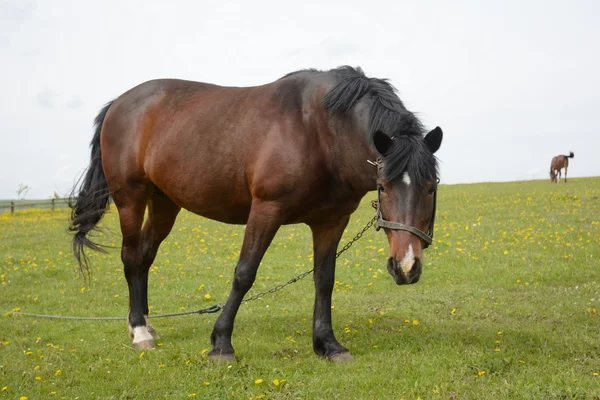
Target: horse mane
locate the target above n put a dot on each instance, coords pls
(388, 115)
(298, 72)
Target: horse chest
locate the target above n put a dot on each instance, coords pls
(324, 205)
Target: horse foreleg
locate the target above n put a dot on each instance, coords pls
(262, 225)
(325, 241)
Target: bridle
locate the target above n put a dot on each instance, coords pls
(397, 226)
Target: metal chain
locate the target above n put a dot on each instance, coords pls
(305, 274)
(216, 307)
(357, 237)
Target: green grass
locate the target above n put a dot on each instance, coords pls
(507, 308)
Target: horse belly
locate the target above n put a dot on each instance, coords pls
(213, 204)
(204, 189)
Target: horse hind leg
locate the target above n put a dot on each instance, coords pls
(162, 213)
(131, 201)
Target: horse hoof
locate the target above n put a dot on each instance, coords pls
(341, 357)
(144, 344)
(221, 358)
(153, 332)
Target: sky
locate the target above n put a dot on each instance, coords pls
(511, 83)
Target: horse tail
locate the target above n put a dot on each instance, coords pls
(89, 204)
(571, 155)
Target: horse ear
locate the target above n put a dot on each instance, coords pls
(433, 139)
(383, 142)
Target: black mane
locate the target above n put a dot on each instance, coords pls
(388, 115)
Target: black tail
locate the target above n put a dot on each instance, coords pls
(89, 204)
(571, 155)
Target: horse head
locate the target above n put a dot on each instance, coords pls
(407, 192)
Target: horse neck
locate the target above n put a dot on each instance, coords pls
(352, 147)
(354, 154)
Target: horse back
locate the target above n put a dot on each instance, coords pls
(214, 150)
(559, 162)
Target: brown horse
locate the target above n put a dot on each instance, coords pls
(291, 151)
(557, 164)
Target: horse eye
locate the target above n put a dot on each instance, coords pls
(380, 188)
(432, 189)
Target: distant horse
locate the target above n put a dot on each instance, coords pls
(291, 151)
(558, 163)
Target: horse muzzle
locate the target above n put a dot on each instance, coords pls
(406, 273)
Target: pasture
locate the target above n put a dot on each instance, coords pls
(507, 307)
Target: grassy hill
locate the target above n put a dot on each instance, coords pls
(507, 307)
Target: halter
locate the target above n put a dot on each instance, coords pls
(397, 226)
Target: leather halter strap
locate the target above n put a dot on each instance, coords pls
(397, 226)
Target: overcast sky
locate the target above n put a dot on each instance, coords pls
(512, 83)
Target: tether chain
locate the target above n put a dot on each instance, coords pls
(305, 274)
(214, 308)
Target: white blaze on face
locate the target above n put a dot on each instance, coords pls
(408, 261)
(406, 179)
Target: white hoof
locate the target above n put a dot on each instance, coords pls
(141, 337)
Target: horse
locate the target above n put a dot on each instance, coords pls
(303, 149)
(558, 163)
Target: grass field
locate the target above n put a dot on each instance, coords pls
(507, 308)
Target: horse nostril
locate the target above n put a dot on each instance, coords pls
(392, 265)
(415, 273)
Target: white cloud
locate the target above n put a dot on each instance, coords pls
(46, 98)
(74, 102)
